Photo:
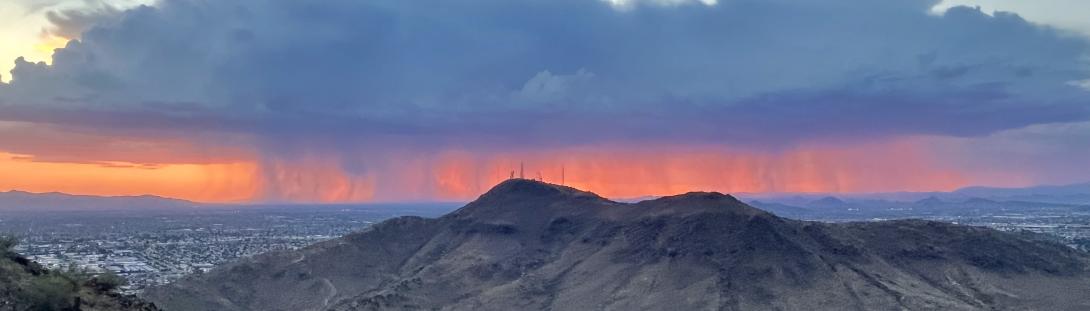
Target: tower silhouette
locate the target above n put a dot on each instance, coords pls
(562, 175)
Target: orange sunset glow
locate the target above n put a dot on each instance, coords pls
(619, 172)
(636, 172)
(198, 182)
(575, 154)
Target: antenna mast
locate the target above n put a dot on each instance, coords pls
(562, 175)
(522, 170)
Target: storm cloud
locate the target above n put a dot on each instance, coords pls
(497, 73)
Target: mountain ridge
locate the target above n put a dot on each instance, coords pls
(530, 245)
(16, 200)
(1078, 194)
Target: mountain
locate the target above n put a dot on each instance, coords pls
(783, 209)
(531, 245)
(828, 202)
(1071, 189)
(25, 285)
(979, 201)
(927, 208)
(12, 201)
(931, 200)
(1071, 194)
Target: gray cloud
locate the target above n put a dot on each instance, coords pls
(71, 23)
(494, 73)
(1043, 153)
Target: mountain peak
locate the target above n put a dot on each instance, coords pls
(931, 200)
(521, 199)
(524, 186)
(829, 201)
(697, 197)
(529, 189)
(699, 202)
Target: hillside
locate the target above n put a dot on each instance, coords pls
(24, 285)
(531, 245)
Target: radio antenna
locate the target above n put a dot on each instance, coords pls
(562, 175)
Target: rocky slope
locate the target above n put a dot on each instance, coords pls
(531, 245)
(25, 285)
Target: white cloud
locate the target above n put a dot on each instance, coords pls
(1066, 14)
(1043, 153)
(549, 87)
(629, 4)
(26, 29)
(1084, 84)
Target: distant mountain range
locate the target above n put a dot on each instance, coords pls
(973, 201)
(1074, 194)
(527, 245)
(12, 201)
(826, 209)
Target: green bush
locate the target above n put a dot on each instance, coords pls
(51, 292)
(108, 281)
(7, 243)
(76, 274)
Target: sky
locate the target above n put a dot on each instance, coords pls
(384, 101)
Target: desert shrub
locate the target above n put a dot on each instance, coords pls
(7, 251)
(108, 281)
(7, 245)
(7, 242)
(75, 274)
(51, 292)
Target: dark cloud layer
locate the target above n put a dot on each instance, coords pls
(351, 74)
